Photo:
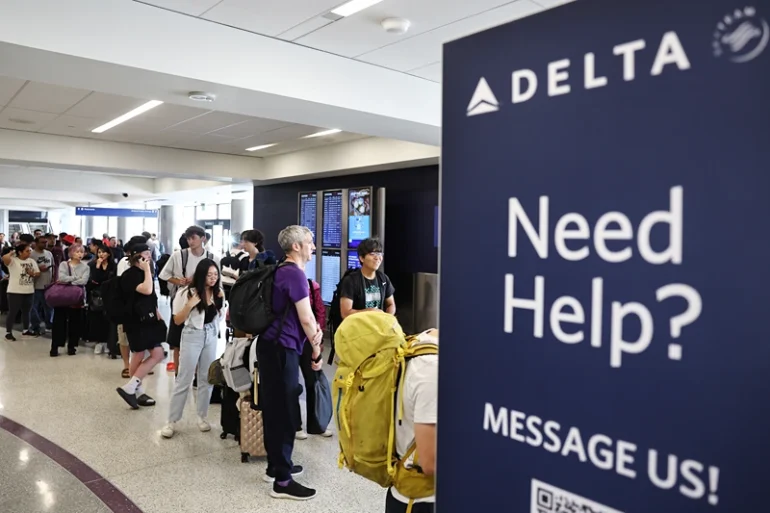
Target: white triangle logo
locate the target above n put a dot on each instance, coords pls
(483, 101)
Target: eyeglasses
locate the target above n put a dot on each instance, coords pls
(376, 255)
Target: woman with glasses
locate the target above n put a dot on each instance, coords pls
(199, 307)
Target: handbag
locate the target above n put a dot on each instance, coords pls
(323, 400)
(62, 295)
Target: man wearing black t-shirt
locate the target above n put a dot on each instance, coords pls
(368, 288)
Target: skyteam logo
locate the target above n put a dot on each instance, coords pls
(741, 35)
(484, 100)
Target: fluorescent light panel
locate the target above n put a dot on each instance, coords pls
(263, 147)
(353, 7)
(325, 132)
(128, 115)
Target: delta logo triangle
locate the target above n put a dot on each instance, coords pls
(483, 101)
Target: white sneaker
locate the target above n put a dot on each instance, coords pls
(203, 425)
(168, 430)
(99, 348)
(301, 435)
(327, 434)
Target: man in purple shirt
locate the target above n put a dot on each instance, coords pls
(278, 352)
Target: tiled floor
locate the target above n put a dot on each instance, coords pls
(71, 400)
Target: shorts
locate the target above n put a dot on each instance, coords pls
(146, 336)
(122, 338)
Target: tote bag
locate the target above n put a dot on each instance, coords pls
(61, 295)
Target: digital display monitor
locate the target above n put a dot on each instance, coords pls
(310, 268)
(353, 261)
(332, 219)
(308, 208)
(359, 216)
(330, 273)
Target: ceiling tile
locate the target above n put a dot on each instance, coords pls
(27, 120)
(268, 18)
(425, 48)
(362, 33)
(304, 28)
(47, 98)
(209, 122)
(275, 136)
(431, 72)
(167, 115)
(104, 107)
(9, 87)
(72, 126)
(194, 7)
(251, 127)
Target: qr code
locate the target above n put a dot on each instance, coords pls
(550, 499)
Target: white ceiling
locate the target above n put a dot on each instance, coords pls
(360, 36)
(58, 110)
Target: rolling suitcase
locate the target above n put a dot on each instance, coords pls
(252, 431)
(230, 417)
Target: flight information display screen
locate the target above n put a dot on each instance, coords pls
(353, 261)
(330, 273)
(310, 268)
(332, 219)
(308, 208)
(359, 216)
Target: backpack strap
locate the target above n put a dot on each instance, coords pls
(185, 258)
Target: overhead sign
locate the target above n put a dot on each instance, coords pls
(115, 212)
(607, 162)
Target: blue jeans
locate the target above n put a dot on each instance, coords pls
(40, 312)
(198, 349)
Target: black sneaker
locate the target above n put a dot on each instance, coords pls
(129, 398)
(72, 351)
(9, 336)
(29, 333)
(293, 491)
(269, 476)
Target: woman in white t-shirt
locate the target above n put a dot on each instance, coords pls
(21, 287)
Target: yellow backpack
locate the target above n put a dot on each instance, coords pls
(372, 353)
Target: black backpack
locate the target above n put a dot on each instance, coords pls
(114, 305)
(335, 313)
(251, 300)
(164, 291)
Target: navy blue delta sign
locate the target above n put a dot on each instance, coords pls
(605, 261)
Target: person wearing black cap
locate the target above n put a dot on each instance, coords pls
(143, 324)
(123, 266)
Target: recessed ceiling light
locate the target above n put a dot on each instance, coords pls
(325, 132)
(354, 6)
(263, 147)
(200, 96)
(128, 115)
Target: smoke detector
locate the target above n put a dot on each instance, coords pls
(396, 25)
(200, 96)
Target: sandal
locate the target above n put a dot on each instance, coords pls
(125, 374)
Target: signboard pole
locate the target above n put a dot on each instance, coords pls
(607, 163)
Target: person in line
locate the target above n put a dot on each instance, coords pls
(231, 264)
(105, 239)
(278, 351)
(179, 272)
(117, 251)
(199, 307)
(253, 242)
(79, 241)
(93, 248)
(68, 320)
(308, 372)
(41, 315)
(37, 233)
(153, 246)
(141, 325)
(54, 245)
(123, 265)
(367, 288)
(102, 268)
(4, 243)
(21, 287)
(418, 426)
